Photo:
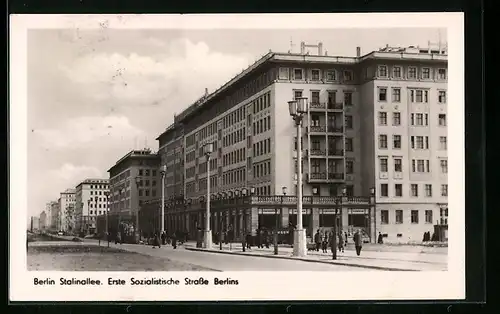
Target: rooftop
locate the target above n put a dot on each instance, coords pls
(144, 154)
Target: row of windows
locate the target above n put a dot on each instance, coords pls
(146, 192)
(99, 212)
(263, 190)
(234, 117)
(97, 192)
(235, 137)
(147, 172)
(414, 190)
(332, 96)
(262, 103)
(122, 176)
(411, 72)
(201, 150)
(262, 169)
(234, 157)
(262, 125)
(234, 176)
(262, 147)
(202, 168)
(207, 131)
(146, 183)
(100, 186)
(190, 140)
(329, 75)
(190, 172)
(399, 218)
(92, 205)
(191, 156)
(416, 95)
(417, 142)
(418, 165)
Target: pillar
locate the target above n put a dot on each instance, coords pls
(240, 217)
(315, 220)
(373, 224)
(254, 220)
(344, 221)
(284, 217)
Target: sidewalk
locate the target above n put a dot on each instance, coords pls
(396, 261)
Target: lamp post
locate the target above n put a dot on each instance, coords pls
(137, 231)
(298, 108)
(96, 219)
(88, 210)
(244, 192)
(209, 148)
(106, 193)
(163, 171)
(283, 189)
(373, 200)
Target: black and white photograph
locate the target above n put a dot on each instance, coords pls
(234, 148)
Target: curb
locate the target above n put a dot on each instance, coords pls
(298, 259)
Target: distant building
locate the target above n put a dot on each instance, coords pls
(134, 178)
(43, 220)
(55, 216)
(34, 224)
(67, 205)
(90, 201)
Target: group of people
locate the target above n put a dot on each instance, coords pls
(325, 240)
(162, 238)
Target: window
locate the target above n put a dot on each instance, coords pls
(382, 71)
(382, 94)
(426, 73)
(330, 75)
(444, 189)
(399, 216)
(382, 141)
(412, 72)
(396, 141)
(297, 94)
(283, 74)
(414, 216)
(347, 75)
(428, 190)
(332, 98)
(442, 74)
(348, 144)
(382, 118)
(349, 166)
(348, 98)
(297, 74)
(384, 217)
(444, 165)
(420, 142)
(398, 165)
(315, 97)
(443, 145)
(396, 72)
(384, 190)
(420, 165)
(414, 190)
(396, 94)
(315, 75)
(442, 119)
(348, 122)
(396, 118)
(383, 164)
(420, 119)
(428, 216)
(398, 190)
(442, 97)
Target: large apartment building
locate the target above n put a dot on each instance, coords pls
(374, 121)
(134, 178)
(90, 202)
(67, 208)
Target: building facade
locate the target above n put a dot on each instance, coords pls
(43, 220)
(374, 121)
(90, 202)
(67, 207)
(134, 178)
(55, 216)
(34, 224)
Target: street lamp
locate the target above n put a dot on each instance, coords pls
(276, 222)
(372, 203)
(106, 193)
(209, 148)
(163, 171)
(298, 108)
(244, 192)
(137, 232)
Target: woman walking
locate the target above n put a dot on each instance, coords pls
(341, 242)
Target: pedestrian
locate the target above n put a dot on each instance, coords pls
(248, 240)
(317, 240)
(259, 238)
(358, 242)
(331, 241)
(156, 241)
(118, 238)
(163, 237)
(380, 239)
(341, 242)
(265, 236)
(324, 243)
(174, 239)
(345, 237)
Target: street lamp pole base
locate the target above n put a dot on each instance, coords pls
(207, 240)
(299, 243)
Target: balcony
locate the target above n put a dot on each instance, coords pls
(323, 177)
(317, 176)
(336, 152)
(335, 176)
(335, 129)
(317, 152)
(317, 129)
(335, 106)
(313, 106)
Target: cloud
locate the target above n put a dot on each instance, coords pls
(79, 131)
(182, 72)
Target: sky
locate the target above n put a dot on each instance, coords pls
(94, 95)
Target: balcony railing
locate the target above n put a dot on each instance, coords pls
(335, 176)
(335, 106)
(317, 105)
(317, 129)
(317, 176)
(318, 152)
(335, 129)
(336, 152)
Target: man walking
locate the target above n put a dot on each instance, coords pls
(358, 242)
(317, 240)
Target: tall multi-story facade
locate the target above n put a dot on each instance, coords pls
(171, 152)
(48, 209)
(67, 206)
(90, 202)
(43, 220)
(374, 121)
(134, 179)
(55, 215)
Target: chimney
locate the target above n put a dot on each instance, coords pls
(358, 52)
(206, 92)
(320, 49)
(302, 48)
